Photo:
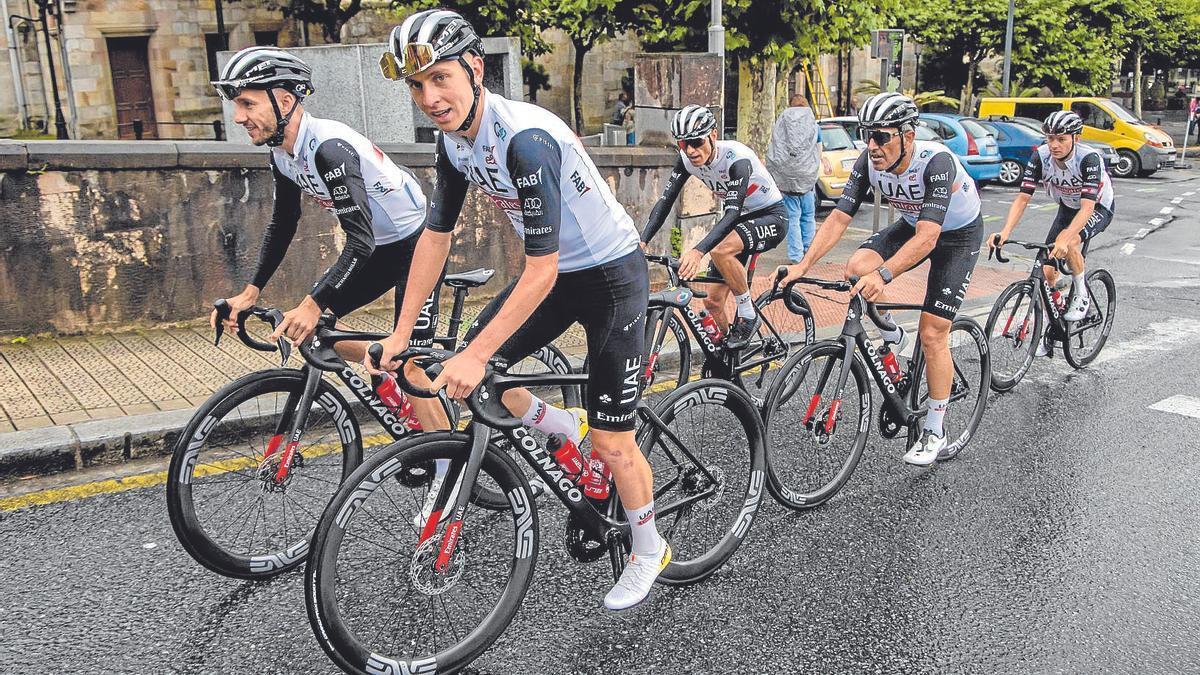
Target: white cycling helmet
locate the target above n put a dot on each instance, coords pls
(694, 121)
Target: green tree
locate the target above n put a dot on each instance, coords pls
(330, 15)
(764, 37)
(974, 31)
(922, 99)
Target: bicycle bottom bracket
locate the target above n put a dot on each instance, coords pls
(421, 570)
(889, 427)
(582, 546)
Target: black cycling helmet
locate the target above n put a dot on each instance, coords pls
(1062, 122)
(693, 121)
(427, 37)
(267, 69)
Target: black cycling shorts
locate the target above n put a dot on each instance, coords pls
(950, 263)
(760, 230)
(387, 268)
(609, 301)
(1099, 221)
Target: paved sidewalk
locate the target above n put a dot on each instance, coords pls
(64, 395)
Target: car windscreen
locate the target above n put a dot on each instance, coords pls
(974, 128)
(834, 137)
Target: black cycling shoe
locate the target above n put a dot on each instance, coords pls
(742, 331)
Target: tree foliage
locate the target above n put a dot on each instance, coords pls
(330, 15)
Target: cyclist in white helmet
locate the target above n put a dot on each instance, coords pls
(379, 205)
(1074, 175)
(939, 221)
(753, 217)
(581, 264)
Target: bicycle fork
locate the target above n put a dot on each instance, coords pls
(295, 418)
(835, 403)
(451, 489)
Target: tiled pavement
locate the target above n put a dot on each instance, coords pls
(65, 380)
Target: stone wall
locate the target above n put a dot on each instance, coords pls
(108, 234)
(603, 68)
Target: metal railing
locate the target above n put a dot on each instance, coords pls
(139, 127)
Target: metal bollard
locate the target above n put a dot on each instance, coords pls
(137, 129)
(219, 130)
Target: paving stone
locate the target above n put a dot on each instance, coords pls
(49, 391)
(119, 387)
(16, 399)
(38, 422)
(161, 363)
(81, 383)
(141, 375)
(69, 417)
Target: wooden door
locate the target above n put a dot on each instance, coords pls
(130, 65)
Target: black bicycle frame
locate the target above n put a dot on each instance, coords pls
(1057, 327)
(488, 413)
(853, 337)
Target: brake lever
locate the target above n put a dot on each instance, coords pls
(223, 312)
(275, 318)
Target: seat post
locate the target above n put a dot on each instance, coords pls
(460, 294)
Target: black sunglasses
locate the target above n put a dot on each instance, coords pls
(881, 138)
(692, 143)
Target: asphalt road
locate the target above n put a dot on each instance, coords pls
(1063, 539)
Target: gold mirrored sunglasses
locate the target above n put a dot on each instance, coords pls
(417, 57)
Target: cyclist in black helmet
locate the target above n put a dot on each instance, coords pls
(379, 205)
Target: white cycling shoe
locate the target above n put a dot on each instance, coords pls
(925, 451)
(638, 578)
(1079, 306)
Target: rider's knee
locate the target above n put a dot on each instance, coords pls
(726, 250)
(934, 332)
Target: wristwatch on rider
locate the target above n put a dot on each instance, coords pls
(885, 274)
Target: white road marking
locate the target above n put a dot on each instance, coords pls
(1157, 221)
(1141, 234)
(1128, 249)
(1166, 210)
(1181, 261)
(1162, 336)
(1177, 200)
(1188, 406)
(1189, 194)
(1149, 189)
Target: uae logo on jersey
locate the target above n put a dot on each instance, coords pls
(501, 132)
(925, 153)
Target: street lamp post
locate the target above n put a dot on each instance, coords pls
(1008, 31)
(60, 123)
(221, 27)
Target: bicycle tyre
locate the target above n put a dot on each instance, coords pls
(206, 424)
(1075, 354)
(335, 631)
(742, 500)
(782, 427)
(1022, 291)
(969, 333)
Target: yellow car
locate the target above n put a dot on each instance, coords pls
(837, 160)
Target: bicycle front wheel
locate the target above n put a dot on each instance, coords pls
(376, 598)
(1014, 327)
(224, 503)
(708, 462)
(968, 388)
(1087, 336)
(816, 436)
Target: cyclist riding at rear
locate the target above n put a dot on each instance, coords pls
(940, 222)
(582, 261)
(379, 205)
(753, 217)
(1074, 176)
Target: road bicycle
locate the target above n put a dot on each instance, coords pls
(670, 318)
(388, 592)
(259, 459)
(819, 407)
(1014, 325)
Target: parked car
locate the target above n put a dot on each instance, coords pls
(838, 155)
(1142, 149)
(850, 124)
(976, 149)
(1018, 137)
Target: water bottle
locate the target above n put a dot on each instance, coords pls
(568, 456)
(710, 327)
(1058, 299)
(599, 478)
(890, 365)
(393, 397)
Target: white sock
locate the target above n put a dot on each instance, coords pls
(745, 307)
(551, 420)
(937, 412)
(1078, 280)
(645, 535)
(892, 336)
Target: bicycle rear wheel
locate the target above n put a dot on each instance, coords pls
(1014, 327)
(224, 505)
(814, 437)
(1088, 336)
(708, 463)
(968, 388)
(374, 598)
(670, 362)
